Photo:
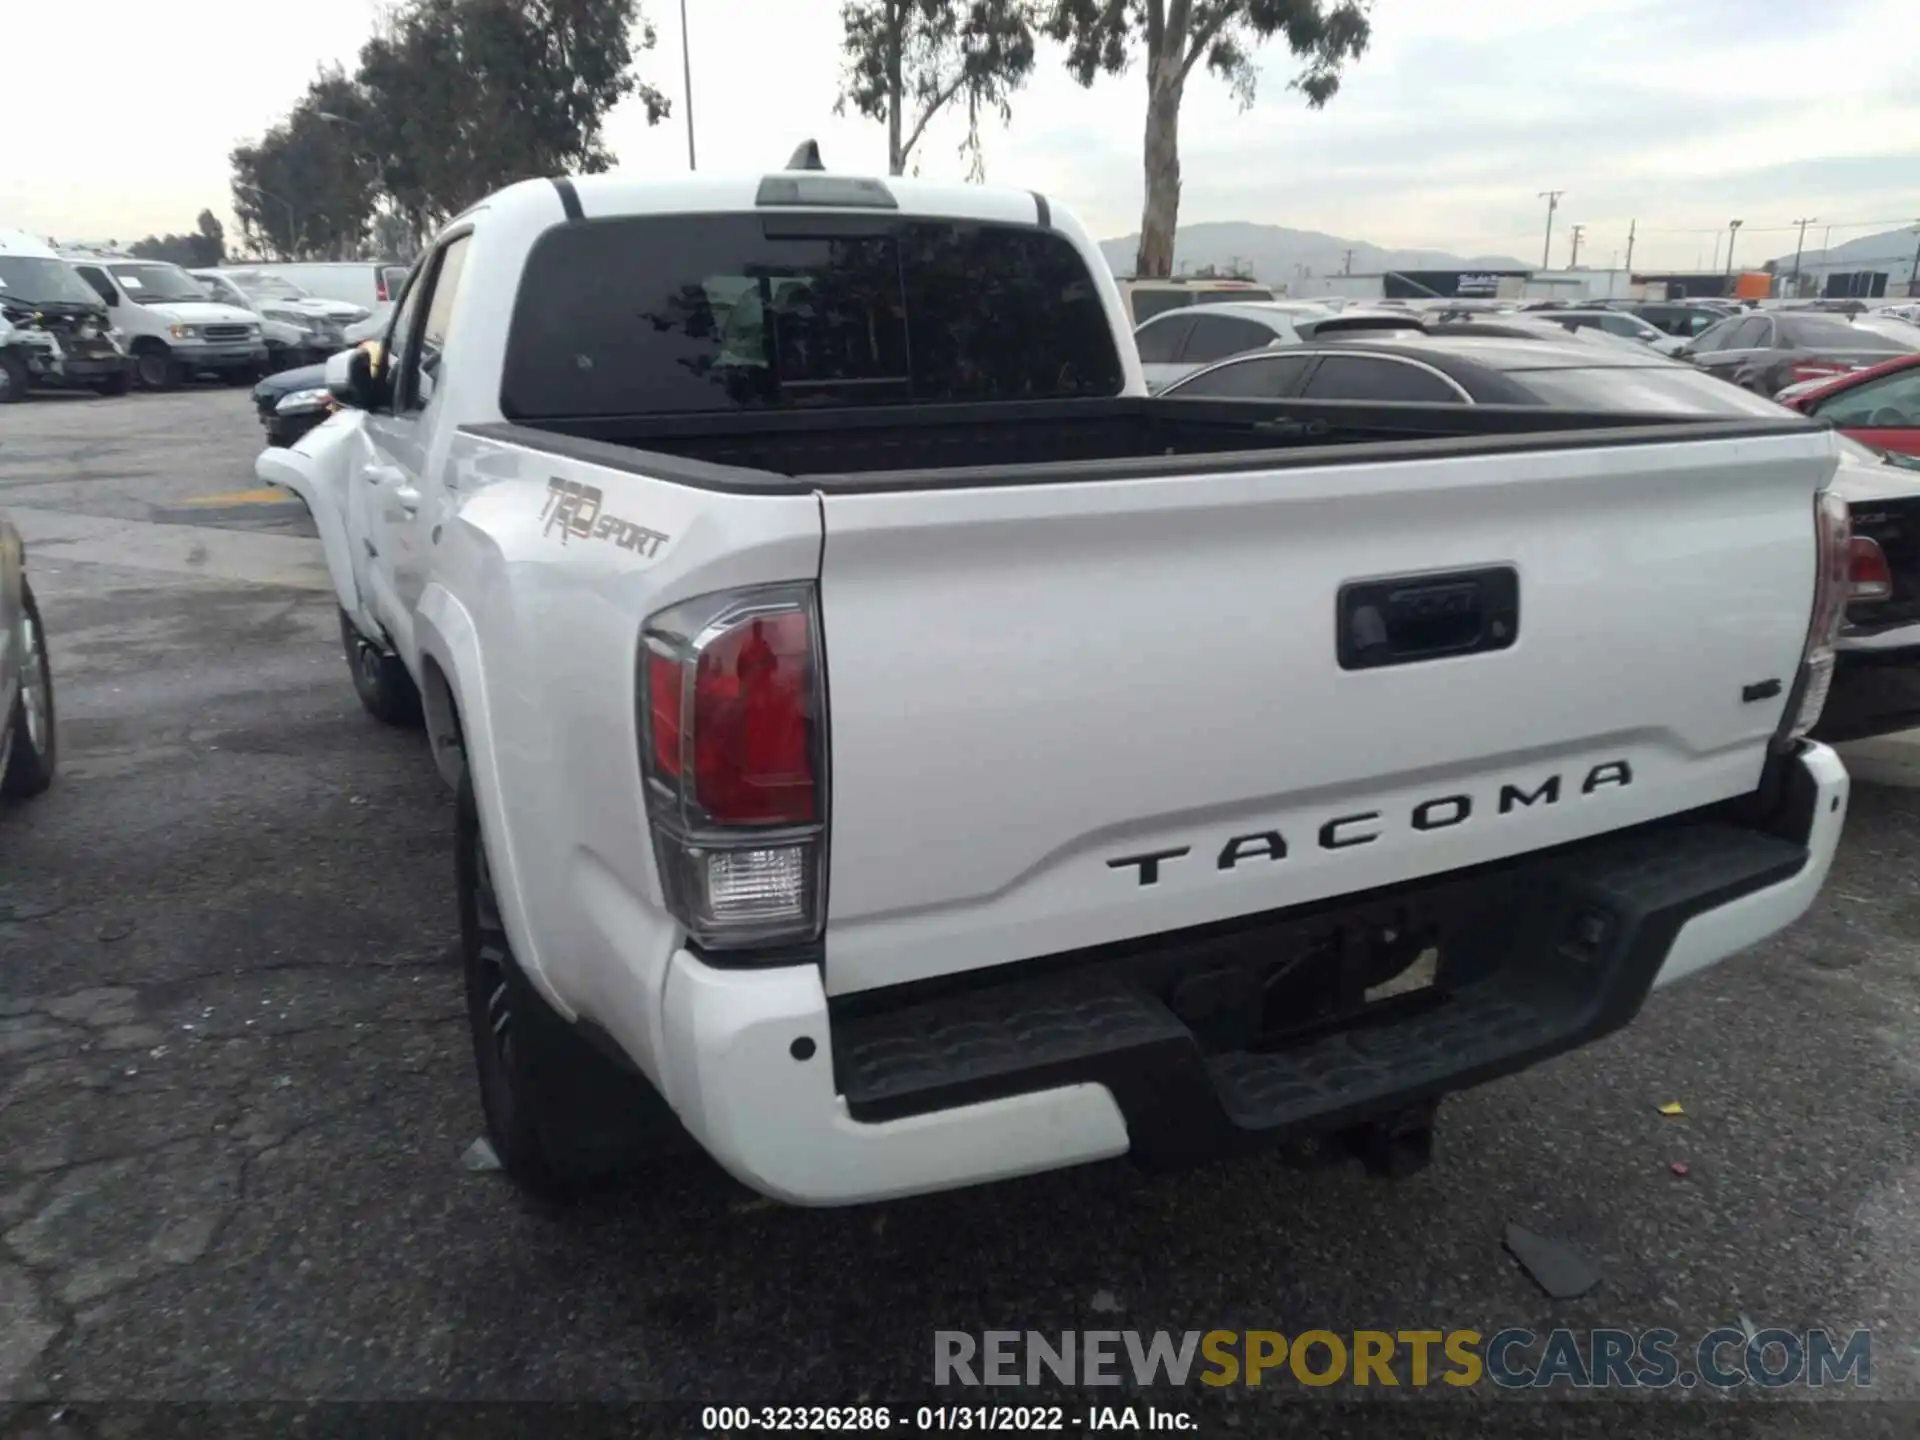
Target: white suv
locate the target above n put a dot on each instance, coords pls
(172, 329)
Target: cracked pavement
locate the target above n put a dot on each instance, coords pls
(235, 1084)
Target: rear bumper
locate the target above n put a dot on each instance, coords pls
(817, 1103)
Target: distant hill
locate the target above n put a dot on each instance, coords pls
(1890, 250)
(1273, 252)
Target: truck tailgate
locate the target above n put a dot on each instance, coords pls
(1067, 714)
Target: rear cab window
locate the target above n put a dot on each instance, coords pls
(688, 314)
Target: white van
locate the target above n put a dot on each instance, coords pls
(171, 328)
(368, 284)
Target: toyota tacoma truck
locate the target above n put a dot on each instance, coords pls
(897, 752)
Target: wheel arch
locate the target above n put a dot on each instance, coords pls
(452, 683)
(443, 720)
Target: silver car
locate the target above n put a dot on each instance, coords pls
(26, 681)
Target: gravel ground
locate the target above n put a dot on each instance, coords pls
(236, 1084)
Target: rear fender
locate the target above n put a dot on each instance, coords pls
(461, 731)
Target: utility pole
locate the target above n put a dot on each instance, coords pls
(686, 73)
(1632, 225)
(1733, 234)
(1573, 260)
(1913, 281)
(1552, 197)
(1793, 285)
(1346, 267)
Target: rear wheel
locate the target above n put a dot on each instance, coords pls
(382, 682)
(30, 759)
(561, 1115)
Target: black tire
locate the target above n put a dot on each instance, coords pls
(13, 378)
(381, 681)
(30, 763)
(117, 384)
(561, 1115)
(156, 369)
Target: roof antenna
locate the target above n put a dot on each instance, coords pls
(806, 157)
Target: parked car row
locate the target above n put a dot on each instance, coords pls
(1487, 357)
(86, 319)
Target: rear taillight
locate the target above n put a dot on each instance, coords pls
(733, 725)
(1833, 572)
(380, 288)
(1867, 572)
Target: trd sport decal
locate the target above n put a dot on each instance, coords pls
(575, 510)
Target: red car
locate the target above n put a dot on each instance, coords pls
(1878, 406)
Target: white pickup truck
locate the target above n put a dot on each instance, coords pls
(898, 752)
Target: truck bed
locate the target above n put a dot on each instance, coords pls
(931, 447)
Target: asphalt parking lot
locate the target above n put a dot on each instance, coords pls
(235, 1082)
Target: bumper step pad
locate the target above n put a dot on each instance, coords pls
(1570, 959)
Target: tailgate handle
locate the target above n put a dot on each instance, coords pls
(1398, 621)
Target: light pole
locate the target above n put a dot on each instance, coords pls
(1733, 234)
(1800, 246)
(293, 224)
(1913, 280)
(686, 75)
(1552, 197)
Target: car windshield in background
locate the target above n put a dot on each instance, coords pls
(688, 313)
(1826, 332)
(35, 280)
(1893, 327)
(1645, 389)
(270, 287)
(157, 282)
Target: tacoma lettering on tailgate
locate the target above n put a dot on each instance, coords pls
(574, 509)
(1363, 827)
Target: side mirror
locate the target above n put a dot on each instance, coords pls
(351, 379)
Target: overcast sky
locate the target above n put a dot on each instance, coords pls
(1680, 113)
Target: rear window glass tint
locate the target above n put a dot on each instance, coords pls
(694, 313)
(1645, 390)
(1823, 332)
(1149, 303)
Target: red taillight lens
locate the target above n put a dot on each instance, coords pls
(665, 682)
(732, 716)
(380, 288)
(752, 704)
(1832, 583)
(1867, 570)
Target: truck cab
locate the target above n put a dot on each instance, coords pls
(173, 331)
